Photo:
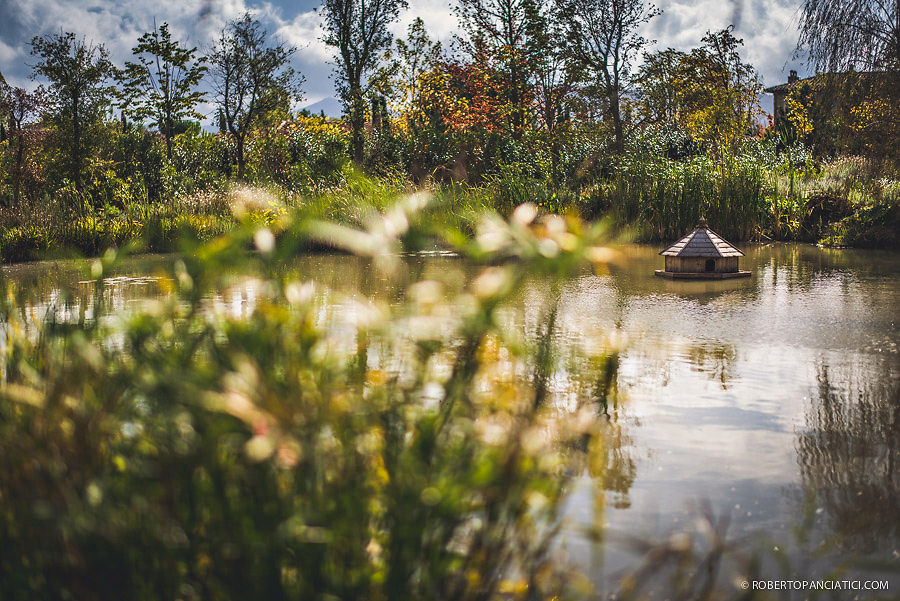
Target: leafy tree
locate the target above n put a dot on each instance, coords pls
(555, 73)
(721, 92)
(841, 113)
(603, 37)
(251, 78)
(848, 37)
(358, 30)
(77, 95)
(843, 35)
(19, 105)
(162, 84)
(710, 91)
(460, 118)
(498, 30)
(660, 83)
(416, 55)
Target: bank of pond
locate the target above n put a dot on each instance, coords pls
(846, 202)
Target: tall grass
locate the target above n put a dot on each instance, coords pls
(753, 195)
(61, 227)
(663, 197)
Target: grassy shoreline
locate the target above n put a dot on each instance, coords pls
(839, 204)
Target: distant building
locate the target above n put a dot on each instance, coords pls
(829, 104)
(781, 91)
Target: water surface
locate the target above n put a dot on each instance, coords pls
(770, 400)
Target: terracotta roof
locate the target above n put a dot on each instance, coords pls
(702, 242)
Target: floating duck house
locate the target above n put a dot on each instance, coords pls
(701, 255)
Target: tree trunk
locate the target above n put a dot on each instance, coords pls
(240, 156)
(20, 160)
(550, 122)
(357, 123)
(169, 129)
(616, 117)
(376, 114)
(76, 146)
(516, 101)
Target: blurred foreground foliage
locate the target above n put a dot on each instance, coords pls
(180, 452)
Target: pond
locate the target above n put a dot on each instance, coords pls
(769, 402)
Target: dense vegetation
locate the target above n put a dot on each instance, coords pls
(182, 453)
(98, 156)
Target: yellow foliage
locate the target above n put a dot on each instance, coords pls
(798, 115)
(875, 111)
(316, 125)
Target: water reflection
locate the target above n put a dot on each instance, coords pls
(617, 468)
(715, 360)
(849, 452)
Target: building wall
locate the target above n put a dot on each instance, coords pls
(778, 105)
(779, 109)
(727, 265)
(698, 264)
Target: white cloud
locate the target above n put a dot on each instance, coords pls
(768, 28)
(304, 32)
(440, 20)
(10, 55)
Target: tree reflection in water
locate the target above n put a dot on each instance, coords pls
(848, 453)
(716, 360)
(616, 467)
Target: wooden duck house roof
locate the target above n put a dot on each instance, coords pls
(702, 242)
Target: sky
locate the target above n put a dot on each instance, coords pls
(768, 28)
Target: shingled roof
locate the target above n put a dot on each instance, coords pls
(702, 242)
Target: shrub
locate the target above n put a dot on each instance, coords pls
(306, 155)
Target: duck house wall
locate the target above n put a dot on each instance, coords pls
(698, 264)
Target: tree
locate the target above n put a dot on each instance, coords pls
(555, 73)
(660, 85)
(710, 92)
(19, 105)
(416, 55)
(4, 89)
(358, 30)
(858, 42)
(251, 79)
(77, 94)
(162, 84)
(844, 35)
(498, 30)
(720, 92)
(603, 38)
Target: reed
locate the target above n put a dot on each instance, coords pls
(664, 198)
